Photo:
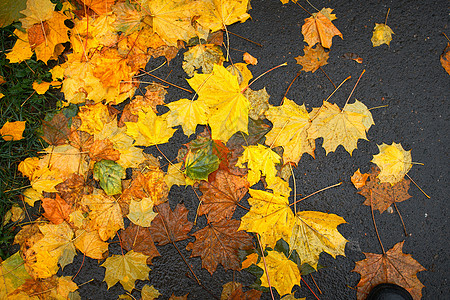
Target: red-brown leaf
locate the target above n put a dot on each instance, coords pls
(170, 226)
(138, 239)
(218, 243)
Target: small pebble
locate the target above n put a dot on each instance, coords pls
(390, 210)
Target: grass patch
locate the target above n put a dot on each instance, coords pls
(20, 103)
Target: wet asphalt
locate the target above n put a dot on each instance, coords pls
(406, 77)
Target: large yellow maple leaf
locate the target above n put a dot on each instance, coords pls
(315, 232)
(141, 212)
(126, 268)
(393, 161)
(171, 19)
(57, 34)
(106, 215)
(216, 14)
(290, 122)
(37, 11)
(90, 244)
(93, 118)
(228, 108)
(270, 216)
(57, 241)
(283, 273)
(338, 127)
(188, 114)
(260, 160)
(150, 129)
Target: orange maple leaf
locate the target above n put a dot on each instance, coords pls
(319, 29)
(56, 210)
(394, 266)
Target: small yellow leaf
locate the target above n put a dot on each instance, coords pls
(141, 212)
(12, 131)
(30, 196)
(283, 273)
(149, 292)
(150, 129)
(382, 34)
(175, 175)
(393, 161)
(126, 268)
(21, 50)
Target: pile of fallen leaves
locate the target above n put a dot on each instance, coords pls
(94, 173)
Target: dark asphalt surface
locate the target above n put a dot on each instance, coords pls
(407, 76)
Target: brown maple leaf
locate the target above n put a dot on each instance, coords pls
(233, 291)
(170, 226)
(313, 58)
(56, 130)
(382, 195)
(221, 196)
(81, 140)
(218, 243)
(392, 267)
(73, 189)
(138, 239)
(151, 184)
(56, 210)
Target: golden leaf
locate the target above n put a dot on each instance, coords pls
(188, 114)
(319, 29)
(21, 50)
(270, 216)
(37, 11)
(290, 124)
(283, 273)
(150, 129)
(126, 268)
(382, 34)
(393, 161)
(315, 232)
(141, 212)
(12, 131)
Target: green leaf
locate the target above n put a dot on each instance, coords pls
(200, 164)
(12, 274)
(109, 173)
(10, 11)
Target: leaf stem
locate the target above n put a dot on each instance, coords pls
(265, 266)
(353, 89)
(375, 224)
(327, 77)
(309, 288)
(418, 186)
(246, 39)
(387, 14)
(321, 190)
(181, 88)
(276, 67)
(289, 87)
(401, 219)
(320, 292)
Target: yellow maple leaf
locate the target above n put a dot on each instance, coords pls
(382, 34)
(283, 273)
(171, 20)
(89, 243)
(12, 274)
(21, 50)
(141, 212)
(338, 127)
(37, 11)
(188, 114)
(149, 293)
(228, 108)
(126, 268)
(46, 265)
(12, 131)
(290, 124)
(242, 72)
(57, 241)
(319, 29)
(93, 118)
(315, 232)
(175, 175)
(45, 180)
(150, 129)
(260, 160)
(56, 35)
(28, 166)
(393, 161)
(105, 214)
(131, 157)
(30, 196)
(216, 14)
(66, 160)
(270, 216)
